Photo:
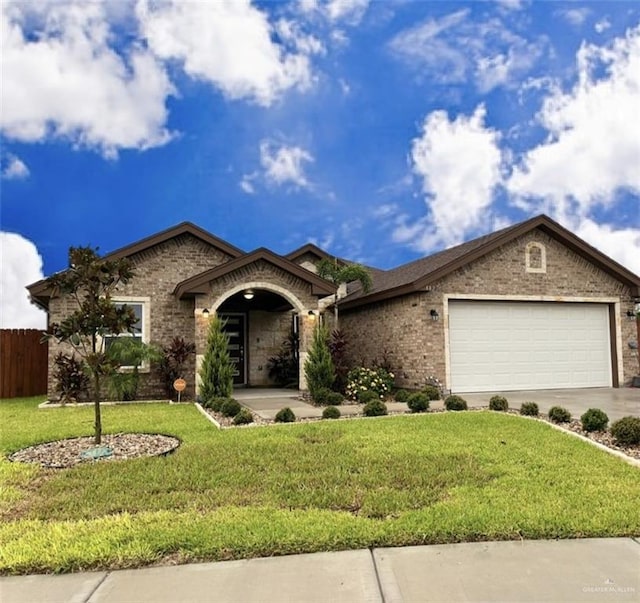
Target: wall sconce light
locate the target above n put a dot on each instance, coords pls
(248, 294)
(312, 315)
(631, 315)
(434, 315)
(205, 312)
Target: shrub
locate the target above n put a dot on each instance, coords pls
(216, 371)
(331, 412)
(338, 346)
(334, 398)
(244, 417)
(283, 367)
(529, 409)
(230, 407)
(375, 408)
(418, 402)
(318, 367)
(72, 381)
(626, 431)
(558, 414)
(432, 392)
(321, 395)
(402, 395)
(594, 420)
(285, 415)
(454, 402)
(215, 403)
(377, 380)
(367, 396)
(173, 362)
(498, 403)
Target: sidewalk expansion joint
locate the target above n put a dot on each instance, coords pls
(93, 592)
(375, 569)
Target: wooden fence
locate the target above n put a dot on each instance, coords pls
(23, 363)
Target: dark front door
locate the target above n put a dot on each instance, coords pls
(234, 328)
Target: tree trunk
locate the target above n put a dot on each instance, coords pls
(96, 405)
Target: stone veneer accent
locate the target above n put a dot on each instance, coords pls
(158, 270)
(402, 328)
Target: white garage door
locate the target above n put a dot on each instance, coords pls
(520, 345)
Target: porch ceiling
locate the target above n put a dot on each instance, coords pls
(264, 300)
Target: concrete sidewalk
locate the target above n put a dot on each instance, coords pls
(566, 570)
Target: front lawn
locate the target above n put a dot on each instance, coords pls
(442, 477)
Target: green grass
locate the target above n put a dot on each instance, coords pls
(444, 477)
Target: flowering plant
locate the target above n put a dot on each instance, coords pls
(363, 379)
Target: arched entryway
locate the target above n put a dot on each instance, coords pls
(261, 318)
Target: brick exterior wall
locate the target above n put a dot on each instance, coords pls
(158, 270)
(416, 345)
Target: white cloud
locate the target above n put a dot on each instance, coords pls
(21, 265)
(61, 79)
(14, 168)
(284, 164)
(455, 49)
(459, 163)
(602, 25)
(623, 245)
(593, 147)
(350, 11)
(246, 184)
(575, 16)
(227, 43)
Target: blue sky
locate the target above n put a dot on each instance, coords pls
(381, 131)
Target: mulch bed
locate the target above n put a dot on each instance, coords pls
(69, 453)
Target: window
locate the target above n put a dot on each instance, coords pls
(535, 258)
(140, 307)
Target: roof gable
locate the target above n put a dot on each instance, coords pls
(41, 291)
(199, 283)
(418, 274)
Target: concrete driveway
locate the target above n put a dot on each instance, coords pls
(616, 402)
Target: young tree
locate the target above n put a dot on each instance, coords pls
(318, 367)
(216, 371)
(90, 281)
(338, 273)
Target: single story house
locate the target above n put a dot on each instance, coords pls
(531, 306)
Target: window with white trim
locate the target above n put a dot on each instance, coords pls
(141, 330)
(535, 257)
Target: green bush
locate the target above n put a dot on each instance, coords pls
(594, 420)
(626, 431)
(285, 415)
(244, 417)
(432, 392)
(559, 414)
(529, 409)
(367, 396)
(318, 368)
(375, 408)
(361, 379)
(321, 395)
(215, 403)
(498, 403)
(230, 407)
(331, 412)
(216, 371)
(402, 395)
(418, 402)
(454, 402)
(335, 398)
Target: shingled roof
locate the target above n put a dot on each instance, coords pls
(417, 275)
